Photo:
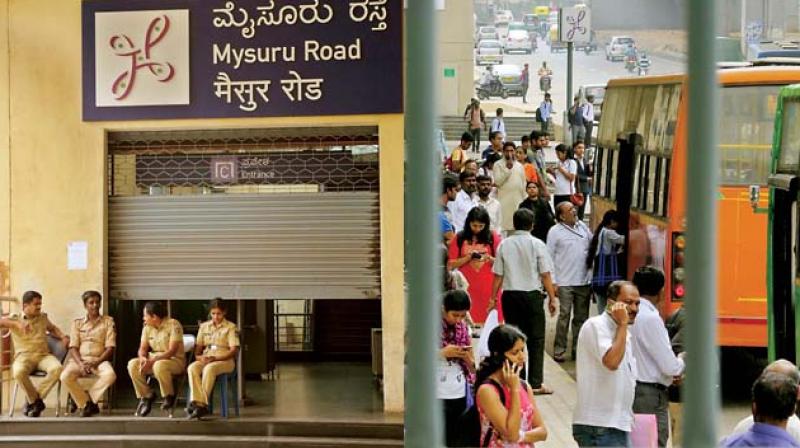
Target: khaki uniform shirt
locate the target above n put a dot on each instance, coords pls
(159, 338)
(33, 342)
(92, 338)
(217, 340)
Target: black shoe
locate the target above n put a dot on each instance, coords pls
(86, 411)
(36, 408)
(145, 404)
(95, 407)
(72, 407)
(169, 402)
(200, 412)
(26, 408)
(190, 408)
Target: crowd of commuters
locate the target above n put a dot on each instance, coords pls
(520, 243)
(90, 347)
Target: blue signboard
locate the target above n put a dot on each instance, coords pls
(158, 59)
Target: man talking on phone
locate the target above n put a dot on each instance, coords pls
(606, 372)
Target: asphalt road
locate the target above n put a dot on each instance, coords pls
(587, 69)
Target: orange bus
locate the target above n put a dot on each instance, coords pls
(640, 170)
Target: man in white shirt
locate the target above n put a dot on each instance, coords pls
(465, 200)
(509, 176)
(568, 242)
(498, 125)
(793, 425)
(606, 372)
(588, 119)
(522, 266)
(486, 201)
(657, 364)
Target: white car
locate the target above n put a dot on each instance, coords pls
(518, 40)
(486, 33)
(503, 16)
(618, 47)
(489, 52)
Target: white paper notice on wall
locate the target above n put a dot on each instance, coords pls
(77, 255)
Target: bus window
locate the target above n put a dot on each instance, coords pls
(650, 184)
(790, 138)
(612, 184)
(746, 133)
(600, 172)
(636, 198)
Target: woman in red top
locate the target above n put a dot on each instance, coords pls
(472, 252)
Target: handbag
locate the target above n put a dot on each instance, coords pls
(605, 269)
(576, 198)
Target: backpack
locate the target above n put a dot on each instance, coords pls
(469, 422)
(539, 118)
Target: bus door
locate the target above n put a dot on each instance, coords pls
(624, 191)
(783, 264)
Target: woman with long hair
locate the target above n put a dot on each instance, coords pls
(472, 252)
(606, 244)
(456, 369)
(543, 213)
(513, 419)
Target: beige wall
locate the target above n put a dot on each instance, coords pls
(58, 186)
(455, 51)
(5, 193)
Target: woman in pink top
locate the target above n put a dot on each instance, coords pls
(513, 421)
(472, 252)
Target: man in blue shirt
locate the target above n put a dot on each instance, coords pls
(774, 401)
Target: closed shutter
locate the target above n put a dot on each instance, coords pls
(245, 246)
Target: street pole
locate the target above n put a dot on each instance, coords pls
(702, 370)
(423, 414)
(567, 131)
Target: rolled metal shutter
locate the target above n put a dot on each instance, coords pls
(245, 246)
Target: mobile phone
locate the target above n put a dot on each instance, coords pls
(466, 348)
(476, 256)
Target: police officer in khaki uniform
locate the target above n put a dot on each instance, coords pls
(29, 333)
(92, 342)
(160, 354)
(216, 349)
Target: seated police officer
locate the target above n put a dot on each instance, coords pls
(160, 354)
(29, 333)
(92, 342)
(216, 350)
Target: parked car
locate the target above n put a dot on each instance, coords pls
(489, 52)
(511, 77)
(486, 33)
(598, 92)
(518, 40)
(618, 47)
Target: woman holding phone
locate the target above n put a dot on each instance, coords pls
(472, 252)
(508, 412)
(456, 370)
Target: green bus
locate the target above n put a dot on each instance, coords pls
(783, 277)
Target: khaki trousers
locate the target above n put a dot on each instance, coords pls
(163, 370)
(26, 363)
(203, 376)
(105, 378)
(676, 420)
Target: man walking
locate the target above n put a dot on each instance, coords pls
(522, 266)
(568, 242)
(536, 155)
(464, 201)
(525, 78)
(585, 173)
(545, 111)
(449, 192)
(477, 120)
(657, 364)
(588, 119)
(606, 372)
(498, 125)
(576, 120)
(489, 203)
(509, 177)
(495, 145)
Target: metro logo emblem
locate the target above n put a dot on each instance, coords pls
(224, 169)
(142, 58)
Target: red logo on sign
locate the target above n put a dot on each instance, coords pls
(140, 57)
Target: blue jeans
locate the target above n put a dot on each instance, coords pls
(598, 436)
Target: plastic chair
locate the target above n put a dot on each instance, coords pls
(224, 382)
(57, 349)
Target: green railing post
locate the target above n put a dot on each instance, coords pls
(701, 405)
(423, 416)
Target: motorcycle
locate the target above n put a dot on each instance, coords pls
(494, 88)
(630, 63)
(643, 65)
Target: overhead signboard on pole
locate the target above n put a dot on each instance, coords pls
(575, 24)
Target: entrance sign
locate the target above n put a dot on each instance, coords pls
(575, 25)
(151, 59)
